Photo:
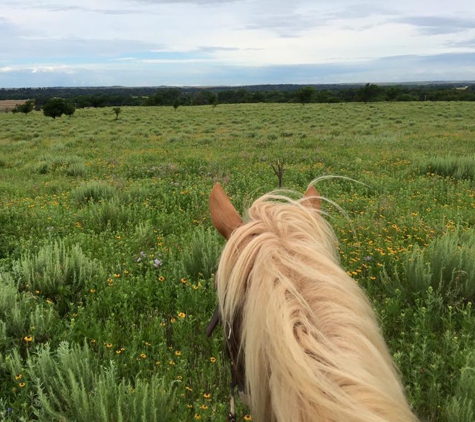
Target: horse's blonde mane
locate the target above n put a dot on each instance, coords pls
(312, 347)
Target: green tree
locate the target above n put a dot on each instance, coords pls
(26, 107)
(56, 107)
(368, 93)
(325, 96)
(305, 95)
(117, 111)
(69, 110)
(164, 97)
(215, 101)
(203, 98)
(392, 93)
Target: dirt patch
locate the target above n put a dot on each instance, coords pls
(10, 104)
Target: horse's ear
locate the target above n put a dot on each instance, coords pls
(224, 216)
(312, 198)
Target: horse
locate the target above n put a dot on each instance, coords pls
(303, 339)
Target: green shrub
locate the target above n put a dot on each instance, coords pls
(14, 307)
(447, 265)
(76, 169)
(462, 406)
(3, 335)
(56, 271)
(22, 315)
(93, 191)
(200, 256)
(461, 410)
(43, 323)
(107, 214)
(144, 235)
(458, 167)
(68, 165)
(71, 384)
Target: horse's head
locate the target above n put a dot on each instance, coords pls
(227, 220)
(302, 336)
(225, 217)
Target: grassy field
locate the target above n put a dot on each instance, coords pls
(107, 252)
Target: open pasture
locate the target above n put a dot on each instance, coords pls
(107, 252)
(8, 105)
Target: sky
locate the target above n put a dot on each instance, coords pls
(234, 42)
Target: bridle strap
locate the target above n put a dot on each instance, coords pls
(215, 319)
(232, 406)
(214, 322)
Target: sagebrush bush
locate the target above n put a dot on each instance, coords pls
(200, 255)
(68, 165)
(3, 335)
(70, 383)
(447, 265)
(76, 169)
(23, 315)
(458, 167)
(93, 191)
(14, 307)
(462, 406)
(107, 214)
(56, 271)
(145, 235)
(44, 322)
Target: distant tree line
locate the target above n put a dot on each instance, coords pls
(153, 96)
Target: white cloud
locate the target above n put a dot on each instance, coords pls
(39, 69)
(53, 69)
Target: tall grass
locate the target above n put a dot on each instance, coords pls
(458, 167)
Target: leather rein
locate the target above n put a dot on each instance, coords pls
(236, 369)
